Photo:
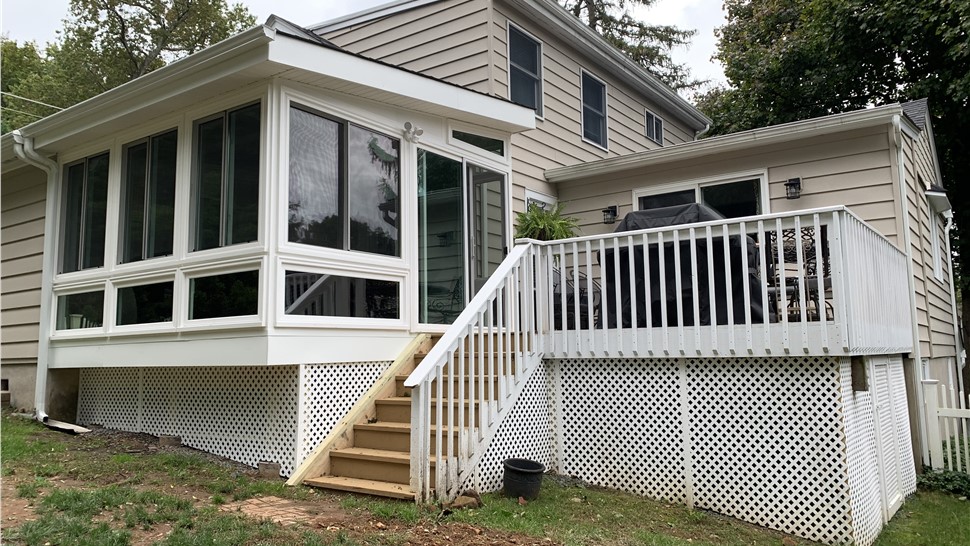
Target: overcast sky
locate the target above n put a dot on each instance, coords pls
(39, 20)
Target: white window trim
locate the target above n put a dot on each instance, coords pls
(79, 332)
(321, 321)
(148, 327)
(606, 111)
(660, 139)
(698, 183)
(531, 195)
(501, 161)
(540, 112)
(245, 321)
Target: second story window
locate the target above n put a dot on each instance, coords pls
(594, 110)
(225, 183)
(148, 199)
(654, 127)
(85, 205)
(525, 70)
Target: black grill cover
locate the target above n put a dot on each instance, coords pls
(725, 292)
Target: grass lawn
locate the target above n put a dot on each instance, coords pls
(105, 489)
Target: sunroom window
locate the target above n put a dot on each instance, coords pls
(344, 182)
(319, 294)
(145, 303)
(226, 179)
(81, 310)
(225, 295)
(148, 199)
(85, 204)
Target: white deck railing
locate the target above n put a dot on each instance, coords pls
(466, 384)
(812, 282)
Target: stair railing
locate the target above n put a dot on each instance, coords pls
(470, 379)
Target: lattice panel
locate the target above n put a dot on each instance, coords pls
(122, 386)
(766, 443)
(527, 432)
(865, 498)
(621, 425)
(245, 413)
(327, 392)
(903, 439)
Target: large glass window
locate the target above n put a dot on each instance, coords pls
(85, 204)
(226, 178)
(83, 310)
(226, 295)
(145, 303)
(525, 70)
(148, 210)
(731, 199)
(344, 185)
(594, 110)
(441, 238)
(318, 294)
(654, 127)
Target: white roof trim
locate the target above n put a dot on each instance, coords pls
(573, 32)
(729, 143)
(467, 105)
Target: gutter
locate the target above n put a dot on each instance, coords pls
(24, 149)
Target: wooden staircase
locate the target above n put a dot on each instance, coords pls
(375, 459)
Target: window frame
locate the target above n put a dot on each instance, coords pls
(658, 121)
(147, 201)
(344, 206)
(194, 193)
(698, 183)
(63, 205)
(539, 88)
(80, 288)
(144, 327)
(184, 293)
(583, 75)
(472, 150)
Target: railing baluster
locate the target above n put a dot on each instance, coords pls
(464, 417)
(820, 281)
(679, 291)
(695, 293)
(764, 252)
(604, 300)
(662, 281)
(711, 290)
(562, 303)
(648, 303)
(782, 298)
(634, 325)
(577, 317)
(618, 294)
(728, 288)
(440, 472)
(590, 311)
(746, 286)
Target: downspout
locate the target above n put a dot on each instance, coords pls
(24, 149)
(698, 134)
(897, 136)
(953, 302)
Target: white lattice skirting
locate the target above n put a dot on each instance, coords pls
(246, 413)
(781, 442)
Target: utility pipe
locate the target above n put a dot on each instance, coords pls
(24, 149)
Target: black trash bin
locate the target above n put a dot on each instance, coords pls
(522, 478)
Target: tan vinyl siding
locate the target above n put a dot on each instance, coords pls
(22, 207)
(851, 168)
(446, 40)
(933, 302)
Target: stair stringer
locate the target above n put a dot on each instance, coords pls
(466, 472)
(318, 462)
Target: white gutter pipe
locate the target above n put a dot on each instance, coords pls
(24, 149)
(953, 304)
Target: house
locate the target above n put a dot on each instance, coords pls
(264, 246)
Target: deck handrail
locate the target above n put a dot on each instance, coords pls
(471, 378)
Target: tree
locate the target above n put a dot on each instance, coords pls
(647, 45)
(796, 59)
(106, 43)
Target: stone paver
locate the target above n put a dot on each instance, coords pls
(276, 509)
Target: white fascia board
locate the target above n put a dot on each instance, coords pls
(607, 57)
(213, 63)
(457, 102)
(729, 143)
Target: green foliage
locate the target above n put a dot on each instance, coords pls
(799, 59)
(930, 518)
(957, 483)
(106, 43)
(544, 224)
(648, 45)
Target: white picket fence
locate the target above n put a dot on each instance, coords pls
(947, 426)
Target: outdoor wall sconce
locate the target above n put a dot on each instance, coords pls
(412, 133)
(609, 214)
(793, 188)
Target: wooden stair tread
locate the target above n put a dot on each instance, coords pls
(406, 401)
(394, 426)
(367, 487)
